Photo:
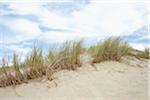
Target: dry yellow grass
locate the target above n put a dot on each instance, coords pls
(65, 57)
(110, 49)
(144, 54)
(36, 65)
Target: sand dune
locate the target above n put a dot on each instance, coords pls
(106, 81)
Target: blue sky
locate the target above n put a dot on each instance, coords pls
(22, 23)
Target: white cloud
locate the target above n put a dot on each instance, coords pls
(47, 18)
(22, 52)
(70, 1)
(18, 49)
(29, 1)
(54, 20)
(120, 1)
(139, 46)
(108, 19)
(98, 19)
(145, 37)
(23, 8)
(25, 26)
(59, 37)
(22, 29)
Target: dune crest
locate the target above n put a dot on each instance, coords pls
(109, 81)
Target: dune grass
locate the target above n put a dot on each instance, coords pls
(144, 54)
(11, 75)
(8, 68)
(110, 49)
(67, 56)
(69, 53)
(33, 68)
(36, 65)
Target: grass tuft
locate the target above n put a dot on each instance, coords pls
(144, 54)
(110, 49)
(13, 75)
(35, 64)
(67, 56)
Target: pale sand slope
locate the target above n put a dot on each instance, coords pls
(111, 81)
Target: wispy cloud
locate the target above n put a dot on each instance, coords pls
(139, 46)
(17, 30)
(61, 20)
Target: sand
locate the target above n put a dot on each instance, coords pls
(106, 81)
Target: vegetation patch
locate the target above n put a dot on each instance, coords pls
(36, 65)
(110, 49)
(67, 56)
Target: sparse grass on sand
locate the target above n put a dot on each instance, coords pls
(144, 54)
(36, 65)
(13, 75)
(65, 57)
(110, 49)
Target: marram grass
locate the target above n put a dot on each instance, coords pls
(144, 54)
(110, 49)
(12, 76)
(36, 65)
(65, 57)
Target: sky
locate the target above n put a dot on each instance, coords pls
(45, 22)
